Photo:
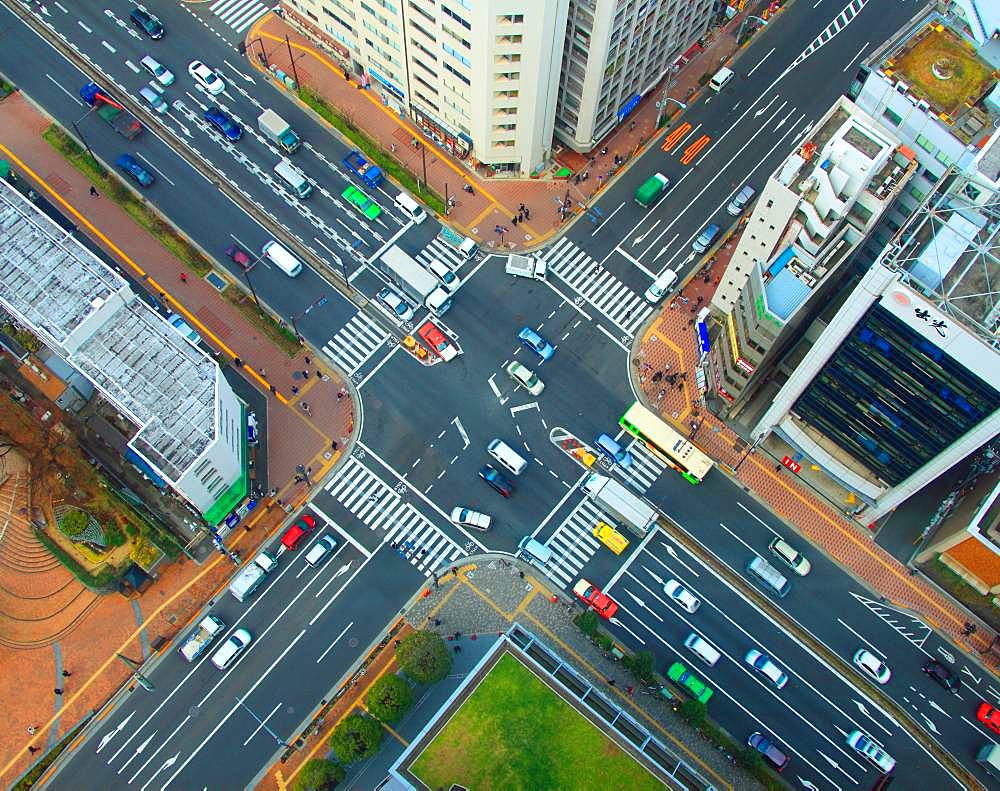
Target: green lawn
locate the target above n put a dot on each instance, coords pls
(515, 733)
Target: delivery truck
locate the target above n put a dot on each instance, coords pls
(624, 505)
(525, 266)
(277, 130)
(413, 280)
(198, 640)
(466, 247)
(651, 189)
(113, 114)
(363, 169)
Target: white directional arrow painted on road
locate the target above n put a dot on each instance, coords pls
(244, 76)
(930, 725)
(620, 625)
(828, 759)
(138, 751)
(643, 605)
(934, 705)
(948, 656)
(807, 784)
(165, 765)
(344, 569)
(643, 236)
(758, 114)
(115, 732)
(653, 574)
(673, 553)
(969, 673)
(864, 711)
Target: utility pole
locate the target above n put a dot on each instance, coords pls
(661, 105)
(291, 60)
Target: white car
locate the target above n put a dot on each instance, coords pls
(681, 596)
(448, 278)
(763, 664)
(318, 551)
(163, 75)
(206, 77)
(470, 518)
(396, 304)
(526, 377)
(183, 329)
(871, 750)
(873, 667)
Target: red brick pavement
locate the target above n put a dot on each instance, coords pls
(496, 200)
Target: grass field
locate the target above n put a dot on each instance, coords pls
(513, 732)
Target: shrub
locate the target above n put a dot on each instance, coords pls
(389, 698)
(74, 523)
(319, 774)
(587, 622)
(144, 553)
(424, 657)
(356, 738)
(694, 712)
(750, 759)
(642, 665)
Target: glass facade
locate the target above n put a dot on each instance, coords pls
(892, 399)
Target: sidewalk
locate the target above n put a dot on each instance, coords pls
(496, 200)
(86, 634)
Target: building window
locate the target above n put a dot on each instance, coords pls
(917, 193)
(925, 144)
(971, 192)
(457, 73)
(943, 158)
(448, 12)
(456, 54)
(510, 19)
(503, 41)
(893, 118)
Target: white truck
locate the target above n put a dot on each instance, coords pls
(637, 515)
(525, 266)
(466, 247)
(278, 130)
(251, 576)
(413, 280)
(198, 640)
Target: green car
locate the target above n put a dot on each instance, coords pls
(683, 677)
(361, 202)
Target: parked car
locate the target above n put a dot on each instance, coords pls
(525, 377)
(225, 123)
(762, 664)
(873, 667)
(772, 754)
(206, 77)
(239, 256)
(147, 23)
(497, 482)
(599, 602)
(134, 170)
(683, 677)
(293, 536)
(871, 750)
(396, 304)
(941, 675)
(536, 343)
(681, 596)
(705, 238)
(183, 329)
(989, 716)
(740, 200)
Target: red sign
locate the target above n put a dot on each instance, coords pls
(789, 462)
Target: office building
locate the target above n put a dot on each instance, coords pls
(189, 428)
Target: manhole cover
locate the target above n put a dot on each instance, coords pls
(353, 642)
(194, 711)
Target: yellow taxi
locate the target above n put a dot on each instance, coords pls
(610, 537)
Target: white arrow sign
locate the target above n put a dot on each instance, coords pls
(949, 657)
(642, 604)
(934, 705)
(930, 725)
(828, 759)
(807, 784)
(114, 733)
(138, 750)
(343, 569)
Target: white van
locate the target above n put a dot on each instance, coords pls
(703, 649)
(293, 177)
(281, 258)
(507, 457)
(721, 79)
(769, 578)
(442, 272)
(230, 649)
(661, 285)
(410, 208)
(535, 551)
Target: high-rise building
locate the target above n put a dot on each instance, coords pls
(491, 81)
(189, 427)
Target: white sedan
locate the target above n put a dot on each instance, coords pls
(470, 518)
(206, 77)
(526, 377)
(873, 667)
(763, 664)
(681, 596)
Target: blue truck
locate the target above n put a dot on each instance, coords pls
(363, 169)
(113, 114)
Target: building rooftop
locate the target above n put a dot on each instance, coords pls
(88, 315)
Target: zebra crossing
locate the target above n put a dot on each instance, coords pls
(380, 507)
(355, 342)
(573, 542)
(645, 469)
(441, 251)
(238, 14)
(597, 285)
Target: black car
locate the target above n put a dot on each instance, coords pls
(941, 675)
(492, 476)
(147, 23)
(772, 754)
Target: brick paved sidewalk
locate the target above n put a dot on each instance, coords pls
(86, 647)
(496, 201)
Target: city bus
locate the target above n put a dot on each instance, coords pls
(669, 446)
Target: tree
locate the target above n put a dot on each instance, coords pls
(424, 657)
(643, 665)
(694, 712)
(356, 738)
(74, 522)
(588, 623)
(389, 698)
(319, 775)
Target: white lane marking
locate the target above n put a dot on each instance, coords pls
(262, 724)
(346, 536)
(334, 643)
(863, 639)
(461, 432)
(851, 61)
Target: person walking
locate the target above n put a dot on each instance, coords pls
(93, 192)
(32, 729)
(184, 277)
(66, 674)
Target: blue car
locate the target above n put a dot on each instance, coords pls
(136, 171)
(225, 123)
(536, 343)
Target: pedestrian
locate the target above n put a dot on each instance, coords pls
(438, 621)
(706, 278)
(694, 307)
(66, 674)
(423, 552)
(629, 690)
(32, 729)
(93, 192)
(58, 690)
(307, 361)
(684, 376)
(673, 304)
(184, 277)
(305, 407)
(631, 126)
(683, 299)
(454, 570)
(340, 395)
(513, 221)
(163, 296)
(611, 681)
(373, 498)
(777, 468)
(294, 390)
(520, 207)
(700, 300)
(576, 179)
(663, 392)
(604, 151)
(457, 649)
(628, 313)
(392, 147)
(396, 643)
(690, 322)
(32, 749)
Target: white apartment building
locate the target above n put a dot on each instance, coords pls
(479, 76)
(189, 426)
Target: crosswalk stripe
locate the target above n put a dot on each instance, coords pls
(572, 542)
(238, 14)
(645, 469)
(355, 342)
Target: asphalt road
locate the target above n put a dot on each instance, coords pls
(423, 430)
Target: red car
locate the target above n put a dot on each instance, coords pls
(590, 595)
(239, 256)
(293, 536)
(989, 716)
(436, 341)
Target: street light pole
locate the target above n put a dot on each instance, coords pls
(291, 60)
(662, 104)
(671, 79)
(262, 724)
(750, 449)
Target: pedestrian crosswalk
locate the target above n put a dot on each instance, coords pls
(238, 14)
(573, 542)
(645, 469)
(355, 342)
(379, 506)
(441, 251)
(597, 285)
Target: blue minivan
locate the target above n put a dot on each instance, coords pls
(705, 239)
(608, 445)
